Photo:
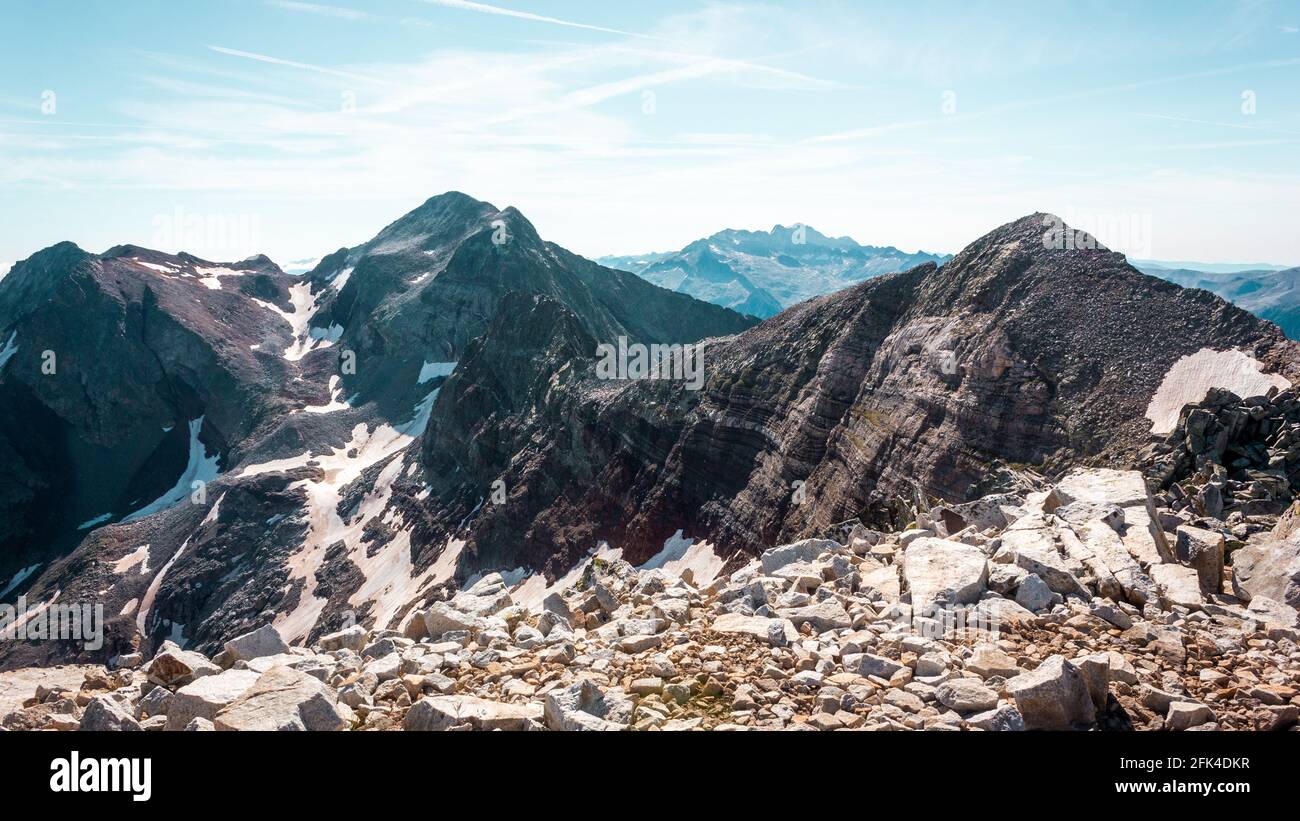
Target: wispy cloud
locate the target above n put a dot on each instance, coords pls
(484, 8)
(1219, 123)
(323, 10)
(1069, 96)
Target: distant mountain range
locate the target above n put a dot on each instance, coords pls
(1268, 293)
(761, 273)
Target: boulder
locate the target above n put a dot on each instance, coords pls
(883, 582)
(940, 572)
(1270, 569)
(351, 638)
(1034, 594)
(583, 706)
(107, 714)
(1177, 585)
(1127, 490)
(264, 641)
(1079, 513)
(1004, 718)
(1272, 612)
(156, 702)
(1106, 544)
(284, 699)
(174, 667)
(1035, 552)
(442, 618)
(966, 695)
(777, 632)
(1202, 550)
(866, 664)
(204, 698)
(823, 616)
(1095, 669)
(804, 551)
(438, 713)
(987, 660)
(1054, 696)
(1184, 715)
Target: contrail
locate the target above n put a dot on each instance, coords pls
(262, 58)
(484, 8)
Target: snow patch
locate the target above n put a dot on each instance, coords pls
(98, 520)
(335, 404)
(212, 276)
(341, 278)
(162, 269)
(305, 338)
(1192, 376)
(199, 468)
(139, 556)
(681, 554)
(176, 633)
(533, 591)
(9, 349)
(18, 578)
(433, 370)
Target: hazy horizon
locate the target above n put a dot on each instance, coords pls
(622, 130)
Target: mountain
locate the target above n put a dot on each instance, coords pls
(762, 273)
(1075, 460)
(190, 441)
(434, 405)
(122, 374)
(1210, 267)
(1272, 294)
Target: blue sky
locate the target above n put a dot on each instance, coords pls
(294, 128)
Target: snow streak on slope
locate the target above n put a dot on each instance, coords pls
(19, 577)
(388, 581)
(681, 554)
(336, 402)
(200, 468)
(9, 349)
(142, 618)
(305, 338)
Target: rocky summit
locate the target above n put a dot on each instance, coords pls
(426, 485)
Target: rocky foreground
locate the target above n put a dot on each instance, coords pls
(1085, 605)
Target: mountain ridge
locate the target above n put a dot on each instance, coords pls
(1012, 360)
